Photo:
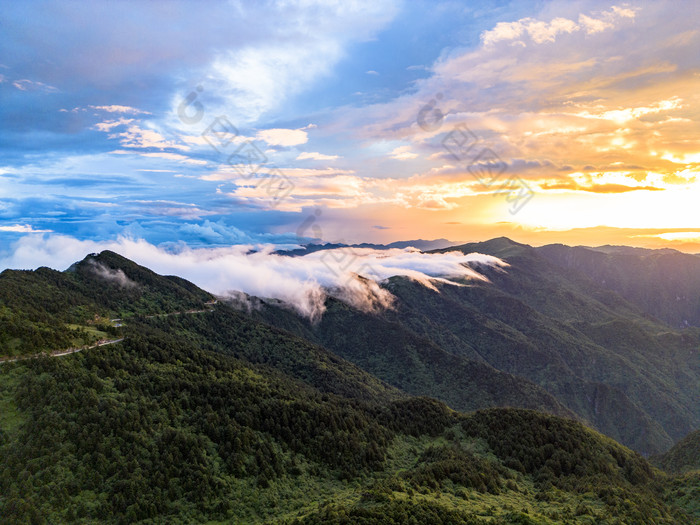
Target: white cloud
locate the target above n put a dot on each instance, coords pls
(316, 156)
(540, 31)
(593, 25)
(116, 276)
(234, 173)
(308, 39)
(115, 108)
(687, 158)
(403, 153)
(283, 137)
(22, 228)
(301, 282)
(109, 125)
(137, 137)
(33, 85)
(623, 115)
(162, 155)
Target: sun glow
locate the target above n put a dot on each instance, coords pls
(670, 208)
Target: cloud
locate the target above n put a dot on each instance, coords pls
(22, 228)
(116, 276)
(316, 156)
(343, 189)
(434, 201)
(687, 158)
(277, 189)
(623, 97)
(621, 116)
(283, 137)
(549, 91)
(108, 125)
(234, 173)
(33, 85)
(403, 153)
(687, 236)
(541, 32)
(162, 155)
(137, 137)
(593, 25)
(303, 283)
(371, 72)
(215, 233)
(115, 108)
(597, 188)
(166, 208)
(619, 181)
(309, 39)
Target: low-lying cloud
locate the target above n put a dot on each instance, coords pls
(116, 276)
(352, 275)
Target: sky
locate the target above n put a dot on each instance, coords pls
(205, 125)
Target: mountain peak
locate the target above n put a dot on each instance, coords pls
(499, 247)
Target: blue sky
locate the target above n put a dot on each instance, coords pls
(591, 107)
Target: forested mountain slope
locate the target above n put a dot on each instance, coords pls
(632, 377)
(684, 456)
(204, 414)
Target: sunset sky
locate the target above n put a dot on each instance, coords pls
(225, 123)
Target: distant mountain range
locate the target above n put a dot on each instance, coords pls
(420, 244)
(662, 283)
(199, 411)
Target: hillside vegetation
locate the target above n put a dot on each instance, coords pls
(204, 414)
(537, 335)
(684, 456)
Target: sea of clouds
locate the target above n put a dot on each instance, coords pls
(353, 275)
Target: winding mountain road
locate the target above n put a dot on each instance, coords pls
(102, 342)
(59, 353)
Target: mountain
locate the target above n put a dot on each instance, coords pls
(46, 309)
(411, 362)
(420, 244)
(664, 283)
(601, 355)
(534, 327)
(684, 456)
(196, 412)
(683, 460)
